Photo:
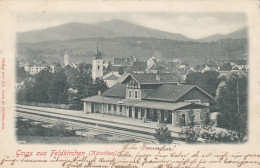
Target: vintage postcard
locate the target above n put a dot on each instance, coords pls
(110, 84)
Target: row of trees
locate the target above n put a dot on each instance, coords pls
(232, 102)
(66, 86)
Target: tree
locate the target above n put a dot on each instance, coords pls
(192, 78)
(42, 82)
(99, 85)
(83, 84)
(226, 67)
(58, 90)
(21, 73)
(233, 106)
(163, 135)
(72, 74)
(207, 81)
(206, 132)
(26, 93)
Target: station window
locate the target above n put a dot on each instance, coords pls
(130, 93)
(121, 108)
(114, 107)
(136, 94)
(98, 67)
(109, 107)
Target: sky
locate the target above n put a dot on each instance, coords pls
(193, 25)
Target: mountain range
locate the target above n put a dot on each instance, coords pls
(111, 29)
(238, 34)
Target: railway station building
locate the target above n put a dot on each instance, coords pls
(152, 97)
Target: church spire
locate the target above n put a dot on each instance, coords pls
(98, 54)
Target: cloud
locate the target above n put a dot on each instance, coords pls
(185, 20)
(206, 20)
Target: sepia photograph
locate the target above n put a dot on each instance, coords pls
(132, 77)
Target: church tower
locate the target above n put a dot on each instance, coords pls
(97, 65)
(66, 59)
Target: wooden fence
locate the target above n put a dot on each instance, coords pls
(59, 106)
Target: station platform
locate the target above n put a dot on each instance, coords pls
(134, 123)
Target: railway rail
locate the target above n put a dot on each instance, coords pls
(83, 123)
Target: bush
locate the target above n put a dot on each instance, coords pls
(207, 134)
(163, 135)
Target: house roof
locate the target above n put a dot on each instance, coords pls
(209, 68)
(155, 60)
(38, 64)
(130, 60)
(228, 74)
(142, 103)
(112, 77)
(117, 90)
(139, 66)
(170, 92)
(182, 66)
(213, 68)
(160, 67)
(119, 61)
(103, 99)
(111, 73)
(150, 78)
(56, 64)
(241, 62)
(116, 68)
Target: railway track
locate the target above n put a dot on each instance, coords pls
(82, 123)
(81, 126)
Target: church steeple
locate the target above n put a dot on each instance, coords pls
(97, 65)
(66, 59)
(98, 54)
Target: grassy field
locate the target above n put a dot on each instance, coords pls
(27, 132)
(56, 140)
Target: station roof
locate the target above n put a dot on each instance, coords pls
(144, 103)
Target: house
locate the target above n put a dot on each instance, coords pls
(106, 63)
(27, 67)
(182, 68)
(55, 66)
(36, 68)
(240, 64)
(139, 67)
(125, 61)
(174, 64)
(152, 98)
(121, 69)
(191, 70)
(130, 61)
(119, 61)
(225, 75)
(111, 78)
(208, 68)
(152, 62)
